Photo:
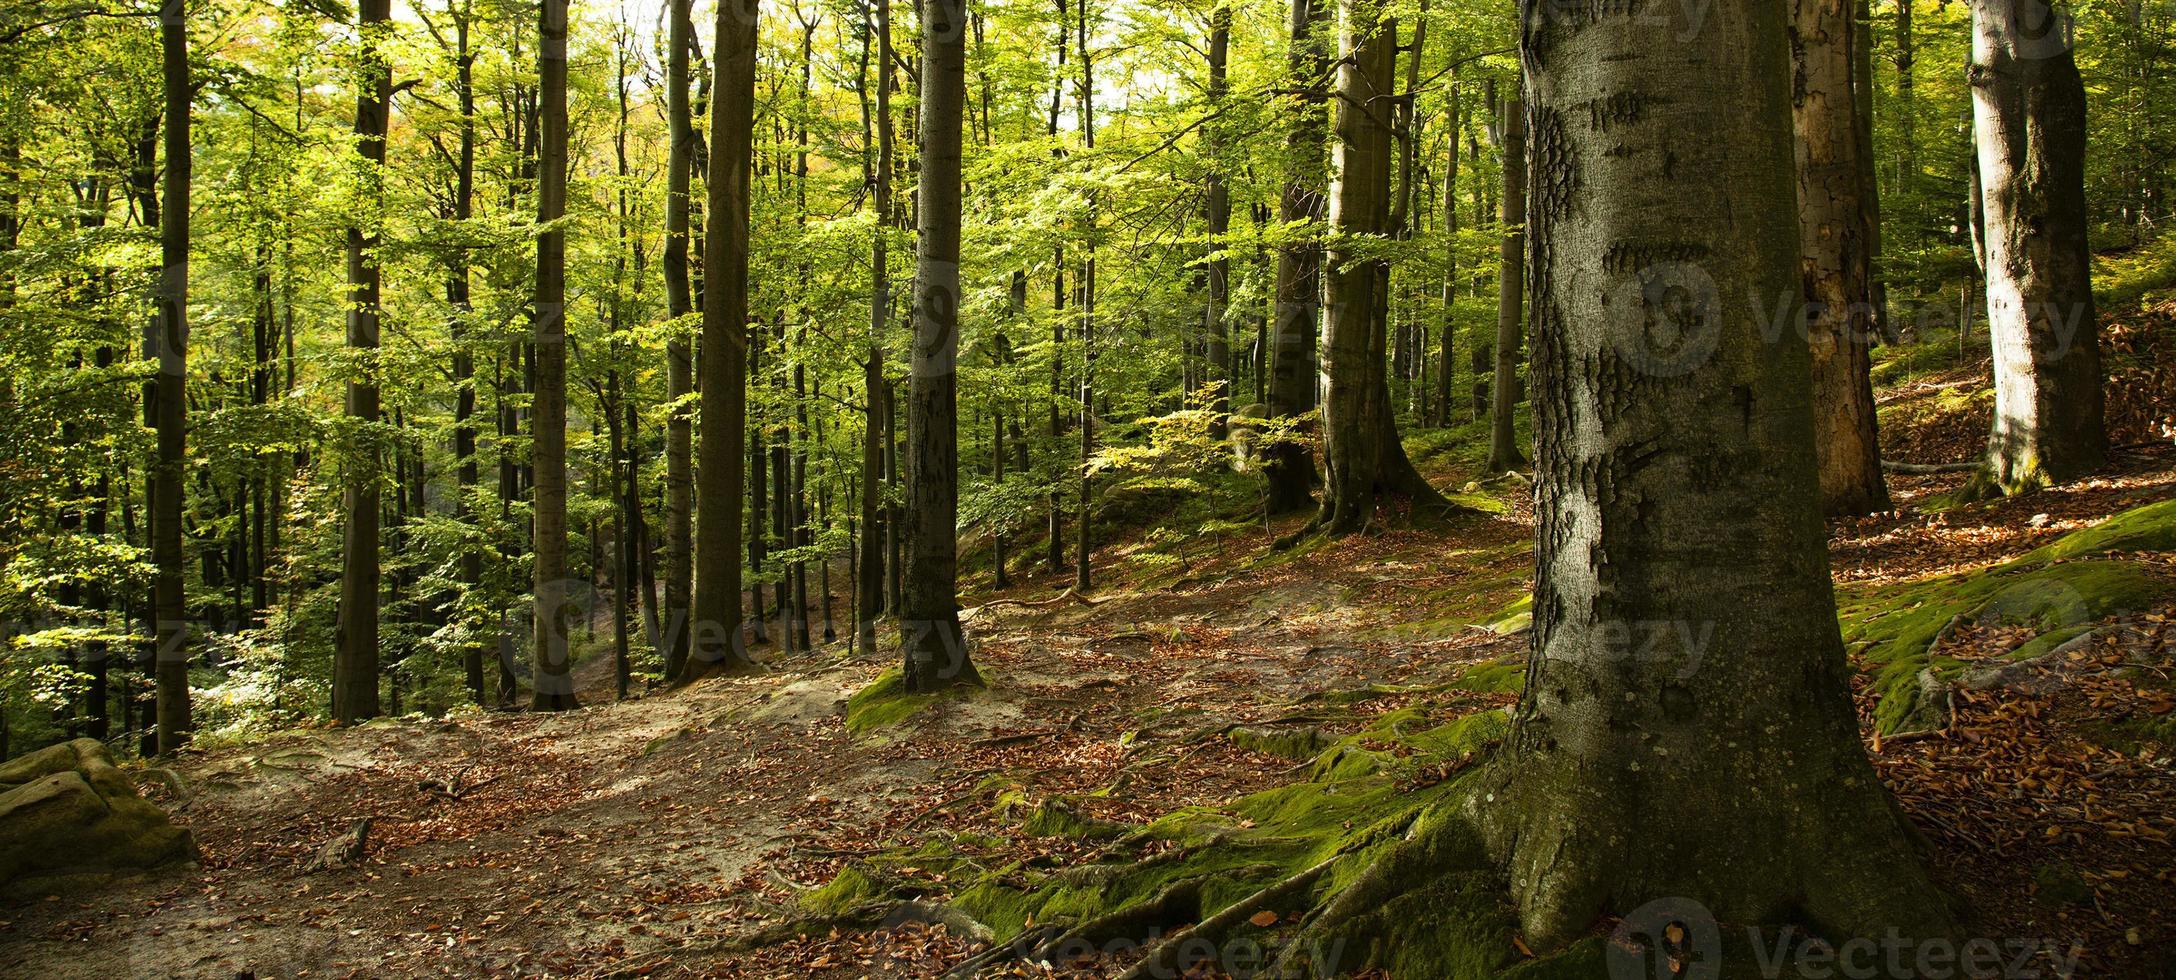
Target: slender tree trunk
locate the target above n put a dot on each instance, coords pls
(716, 642)
(1082, 526)
(1288, 466)
(1406, 354)
(2029, 110)
(464, 360)
(1503, 444)
(760, 526)
(1862, 97)
(933, 648)
(1676, 512)
(1907, 103)
(1219, 207)
(1054, 541)
(869, 578)
(1361, 452)
(553, 682)
(171, 330)
(679, 365)
(1450, 263)
(623, 558)
(1835, 257)
(355, 667)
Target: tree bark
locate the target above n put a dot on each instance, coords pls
(1835, 256)
(1288, 466)
(171, 331)
(869, 582)
(2028, 108)
(679, 365)
(1448, 362)
(932, 646)
(1054, 541)
(552, 684)
(1083, 527)
(1362, 455)
(470, 566)
(355, 666)
(1503, 446)
(1687, 688)
(715, 643)
(1217, 371)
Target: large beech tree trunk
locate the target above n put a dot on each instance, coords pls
(1362, 455)
(1503, 444)
(1687, 727)
(1835, 256)
(1288, 465)
(552, 685)
(170, 330)
(932, 646)
(2028, 109)
(715, 641)
(355, 658)
(679, 364)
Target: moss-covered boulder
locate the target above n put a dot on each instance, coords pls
(66, 809)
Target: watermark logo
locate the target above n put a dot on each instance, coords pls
(1665, 319)
(1666, 939)
(1679, 939)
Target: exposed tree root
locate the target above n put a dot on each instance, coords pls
(1168, 957)
(1071, 594)
(1928, 469)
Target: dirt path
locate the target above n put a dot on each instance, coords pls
(610, 837)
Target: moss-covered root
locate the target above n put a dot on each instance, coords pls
(1173, 956)
(1431, 906)
(1179, 902)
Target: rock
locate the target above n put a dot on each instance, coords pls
(2058, 885)
(66, 810)
(343, 850)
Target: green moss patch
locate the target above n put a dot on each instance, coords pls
(886, 702)
(1366, 792)
(1503, 676)
(2059, 591)
(2148, 528)
(1517, 617)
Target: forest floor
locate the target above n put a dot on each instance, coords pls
(651, 837)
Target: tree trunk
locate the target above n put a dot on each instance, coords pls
(1835, 257)
(1361, 453)
(1054, 541)
(355, 666)
(1217, 371)
(1687, 688)
(1503, 443)
(1083, 554)
(679, 366)
(1288, 466)
(470, 569)
(716, 643)
(1447, 362)
(171, 330)
(869, 575)
(932, 646)
(2028, 108)
(552, 685)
